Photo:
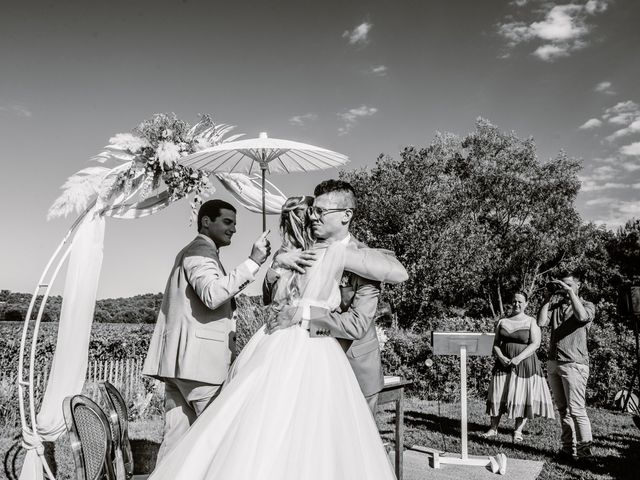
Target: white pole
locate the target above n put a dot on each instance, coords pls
(463, 399)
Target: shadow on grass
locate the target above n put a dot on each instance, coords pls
(616, 443)
(145, 453)
(10, 460)
(13, 458)
(451, 427)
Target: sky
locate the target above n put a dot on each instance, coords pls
(360, 78)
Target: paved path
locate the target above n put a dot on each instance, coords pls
(416, 467)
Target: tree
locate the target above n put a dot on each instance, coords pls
(624, 249)
(471, 218)
(526, 205)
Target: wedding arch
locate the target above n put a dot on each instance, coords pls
(147, 177)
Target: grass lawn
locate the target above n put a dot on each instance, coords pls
(616, 440)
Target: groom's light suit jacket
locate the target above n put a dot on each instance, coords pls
(194, 337)
(352, 325)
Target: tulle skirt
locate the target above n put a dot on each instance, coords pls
(291, 410)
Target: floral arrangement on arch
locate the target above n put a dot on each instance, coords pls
(150, 155)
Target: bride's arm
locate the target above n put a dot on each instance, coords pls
(375, 264)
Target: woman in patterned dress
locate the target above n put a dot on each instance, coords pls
(518, 387)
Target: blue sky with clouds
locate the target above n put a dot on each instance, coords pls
(361, 78)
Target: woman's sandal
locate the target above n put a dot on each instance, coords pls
(517, 437)
(491, 433)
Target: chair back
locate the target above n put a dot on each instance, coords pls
(118, 417)
(90, 436)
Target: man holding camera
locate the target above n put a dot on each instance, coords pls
(569, 317)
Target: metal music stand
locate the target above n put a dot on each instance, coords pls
(463, 344)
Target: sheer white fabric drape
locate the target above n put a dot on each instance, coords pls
(68, 369)
(248, 192)
(69, 366)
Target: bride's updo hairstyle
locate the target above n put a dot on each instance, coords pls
(293, 229)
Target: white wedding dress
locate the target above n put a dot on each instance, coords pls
(291, 409)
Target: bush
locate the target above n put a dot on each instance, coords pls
(406, 352)
(611, 346)
(251, 316)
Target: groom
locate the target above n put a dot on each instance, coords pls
(193, 343)
(353, 326)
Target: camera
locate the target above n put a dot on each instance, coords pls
(553, 288)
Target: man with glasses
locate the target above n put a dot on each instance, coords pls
(570, 320)
(330, 218)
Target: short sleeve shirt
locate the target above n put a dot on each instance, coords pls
(568, 334)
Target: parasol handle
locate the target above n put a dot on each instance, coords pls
(264, 214)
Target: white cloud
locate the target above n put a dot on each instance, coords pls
(561, 24)
(589, 185)
(620, 212)
(622, 113)
(359, 35)
(631, 150)
(19, 110)
(599, 201)
(300, 120)
(591, 123)
(562, 30)
(550, 52)
(605, 87)
(633, 127)
(630, 166)
(596, 6)
(515, 33)
(610, 160)
(378, 70)
(605, 172)
(351, 117)
(636, 185)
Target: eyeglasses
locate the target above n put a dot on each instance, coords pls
(321, 212)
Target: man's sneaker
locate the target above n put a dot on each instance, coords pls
(584, 451)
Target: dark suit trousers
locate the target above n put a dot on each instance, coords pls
(372, 401)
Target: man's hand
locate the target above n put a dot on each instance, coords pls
(261, 249)
(562, 285)
(296, 260)
(287, 317)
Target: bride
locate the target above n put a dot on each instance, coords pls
(292, 408)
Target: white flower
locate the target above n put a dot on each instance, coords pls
(166, 133)
(382, 336)
(127, 141)
(168, 153)
(201, 143)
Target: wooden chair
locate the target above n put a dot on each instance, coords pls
(119, 420)
(90, 438)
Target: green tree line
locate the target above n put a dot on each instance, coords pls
(137, 309)
(477, 218)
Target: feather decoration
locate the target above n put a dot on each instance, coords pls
(79, 191)
(248, 192)
(143, 158)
